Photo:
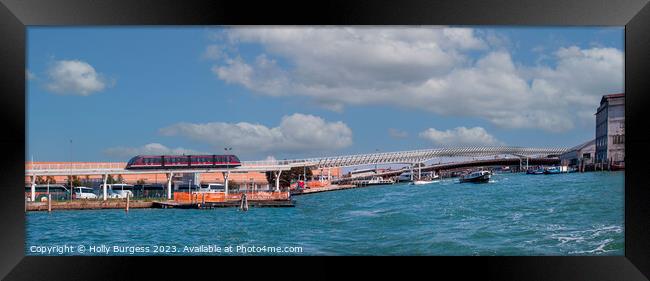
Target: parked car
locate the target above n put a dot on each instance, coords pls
(82, 192)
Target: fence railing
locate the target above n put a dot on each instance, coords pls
(74, 166)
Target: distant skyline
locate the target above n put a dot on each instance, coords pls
(290, 92)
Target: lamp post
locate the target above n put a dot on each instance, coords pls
(227, 157)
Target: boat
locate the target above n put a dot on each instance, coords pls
(375, 181)
(426, 180)
(535, 171)
(552, 170)
(421, 182)
(476, 177)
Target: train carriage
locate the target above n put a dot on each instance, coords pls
(182, 161)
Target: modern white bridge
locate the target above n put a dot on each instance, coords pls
(411, 157)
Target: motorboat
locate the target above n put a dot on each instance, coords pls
(535, 171)
(375, 181)
(421, 182)
(476, 177)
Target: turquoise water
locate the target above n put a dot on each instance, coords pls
(514, 214)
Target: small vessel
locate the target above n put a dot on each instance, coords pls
(476, 177)
(426, 180)
(421, 182)
(535, 171)
(552, 170)
(375, 181)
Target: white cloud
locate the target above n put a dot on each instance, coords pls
(297, 133)
(148, 149)
(427, 69)
(74, 77)
(396, 133)
(460, 136)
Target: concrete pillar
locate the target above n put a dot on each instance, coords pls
(33, 189)
(226, 175)
(277, 180)
(170, 176)
(104, 186)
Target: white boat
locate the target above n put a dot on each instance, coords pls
(421, 182)
(375, 181)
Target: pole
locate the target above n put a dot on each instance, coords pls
(49, 203)
(104, 186)
(33, 189)
(226, 175)
(170, 175)
(127, 202)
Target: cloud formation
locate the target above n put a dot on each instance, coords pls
(446, 71)
(296, 133)
(148, 149)
(74, 77)
(460, 136)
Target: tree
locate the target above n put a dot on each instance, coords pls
(141, 181)
(86, 181)
(287, 176)
(110, 179)
(50, 180)
(120, 179)
(39, 180)
(74, 180)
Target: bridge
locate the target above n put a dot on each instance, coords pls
(456, 165)
(411, 157)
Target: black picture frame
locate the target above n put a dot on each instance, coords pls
(15, 15)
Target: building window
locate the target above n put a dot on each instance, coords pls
(618, 139)
(586, 155)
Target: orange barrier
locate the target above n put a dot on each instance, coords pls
(311, 184)
(222, 197)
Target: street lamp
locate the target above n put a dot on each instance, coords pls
(227, 157)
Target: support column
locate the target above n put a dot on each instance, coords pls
(226, 175)
(329, 174)
(33, 189)
(104, 186)
(277, 180)
(170, 176)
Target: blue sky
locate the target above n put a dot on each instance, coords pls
(121, 91)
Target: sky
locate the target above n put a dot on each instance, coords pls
(110, 93)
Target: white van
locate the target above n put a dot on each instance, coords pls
(212, 187)
(82, 192)
(119, 190)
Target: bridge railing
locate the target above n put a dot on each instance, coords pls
(74, 166)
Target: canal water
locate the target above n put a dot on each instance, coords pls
(514, 214)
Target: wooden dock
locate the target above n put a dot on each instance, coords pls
(323, 189)
(228, 204)
(87, 205)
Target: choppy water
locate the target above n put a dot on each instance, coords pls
(514, 214)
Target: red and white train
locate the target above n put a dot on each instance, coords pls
(182, 161)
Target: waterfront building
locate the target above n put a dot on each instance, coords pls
(581, 155)
(610, 131)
